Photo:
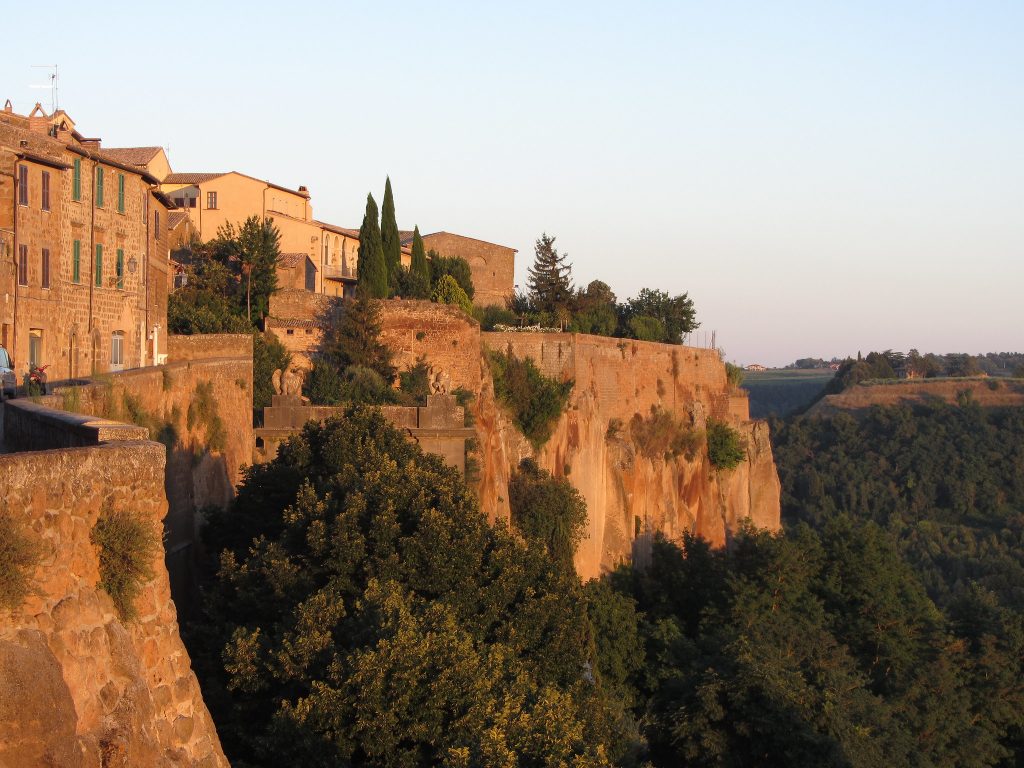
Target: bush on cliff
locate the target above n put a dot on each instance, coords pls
(725, 446)
(127, 546)
(536, 401)
(366, 612)
(18, 556)
(547, 510)
(662, 435)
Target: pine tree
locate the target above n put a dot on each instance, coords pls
(419, 268)
(373, 274)
(354, 339)
(550, 278)
(390, 239)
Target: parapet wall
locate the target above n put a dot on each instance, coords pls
(29, 426)
(438, 333)
(626, 376)
(79, 687)
(207, 346)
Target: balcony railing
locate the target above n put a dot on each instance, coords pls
(332, 272)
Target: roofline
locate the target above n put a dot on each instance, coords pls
(163, 198)
(42, 160)
(467, 237)
(99, 158)
(213, 176)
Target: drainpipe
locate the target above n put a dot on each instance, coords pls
(14, 261)
(150, 199)
(93, 350)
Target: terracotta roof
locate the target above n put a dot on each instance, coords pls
(174, 218)
(291, 260)
(131, 155)
(191, 178)
(465, 237)
(348, 232)
(280, 322)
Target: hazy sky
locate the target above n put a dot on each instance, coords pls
(821, 177)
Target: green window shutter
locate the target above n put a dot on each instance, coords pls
(120, 193)
(76, 180)
(120, 269)
(76, 262)
(99, 265)
(99, 187)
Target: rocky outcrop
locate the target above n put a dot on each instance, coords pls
(986, 392)
(80, 687)
(629, 494)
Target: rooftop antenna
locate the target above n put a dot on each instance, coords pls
(52, 85)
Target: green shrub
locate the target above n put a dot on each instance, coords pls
(18, 556)
(548, 510)
(268, 355)
(127, 546)
(646, 328)
(202, 410)
(663, 435)
(733, 374)
(448, 291)
(993, 384)
(71, 399)
(450, 266)
(493, 315)
(465, 398)
(725, 446)
(415, 383)
(536, 401)
(323, 384)
(364, 386)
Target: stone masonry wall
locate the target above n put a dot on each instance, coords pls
(79, 687)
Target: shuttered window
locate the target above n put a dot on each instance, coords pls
(46, 268)
(76, 180)
(99, 187)
(99, 265)
(120, 269)
(76, 262)
(120, 193)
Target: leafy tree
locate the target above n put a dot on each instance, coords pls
(268, 355)
(323, 385)
(547, 510)
(391, 241)
(550, 278)
(255, 248)
(353, 338)
(725, 446)
(372, 268)
(646, 328)
(536, 401)
(675, 313)
(455, 266)
(595, 310)
(447, 291)
(419, 279)
(365, 612)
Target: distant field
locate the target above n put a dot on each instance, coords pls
(781, 392)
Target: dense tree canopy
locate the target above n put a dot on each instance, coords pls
(372, 268)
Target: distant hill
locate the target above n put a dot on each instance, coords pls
(783, 392)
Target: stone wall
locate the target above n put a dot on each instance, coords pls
(198, 473)
(438, 333)
(79, 687)
(208, 346)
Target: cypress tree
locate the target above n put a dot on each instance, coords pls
(419, 268)
(373, 273)
(390, 239)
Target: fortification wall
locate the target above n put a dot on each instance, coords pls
(440, 334)
(79, 687)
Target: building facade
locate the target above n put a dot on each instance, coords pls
(83, 252)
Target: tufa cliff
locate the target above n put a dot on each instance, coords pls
(630, 493)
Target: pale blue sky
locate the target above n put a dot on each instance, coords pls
(820, 177)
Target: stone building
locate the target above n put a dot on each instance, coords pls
(492, 266)
(83, 251)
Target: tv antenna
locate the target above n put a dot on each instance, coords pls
(52, 85)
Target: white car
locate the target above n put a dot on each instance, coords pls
(7, 380)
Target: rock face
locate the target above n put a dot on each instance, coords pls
(630, 495)
(79, 687)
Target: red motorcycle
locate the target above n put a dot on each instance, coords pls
(37, 378)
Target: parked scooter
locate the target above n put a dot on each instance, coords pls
(37, 378)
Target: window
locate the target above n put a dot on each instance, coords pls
(76, 180)
(99, 265)
(191, 202)
(46, 190)
(22, 185)
(120, 269)
(76, 261)
(156, 223)
(211, 200)
(35, 346)
(117, 350)
(99, 187)
(120, 193)
(22, 265)
(180, 202)
(46, 268)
